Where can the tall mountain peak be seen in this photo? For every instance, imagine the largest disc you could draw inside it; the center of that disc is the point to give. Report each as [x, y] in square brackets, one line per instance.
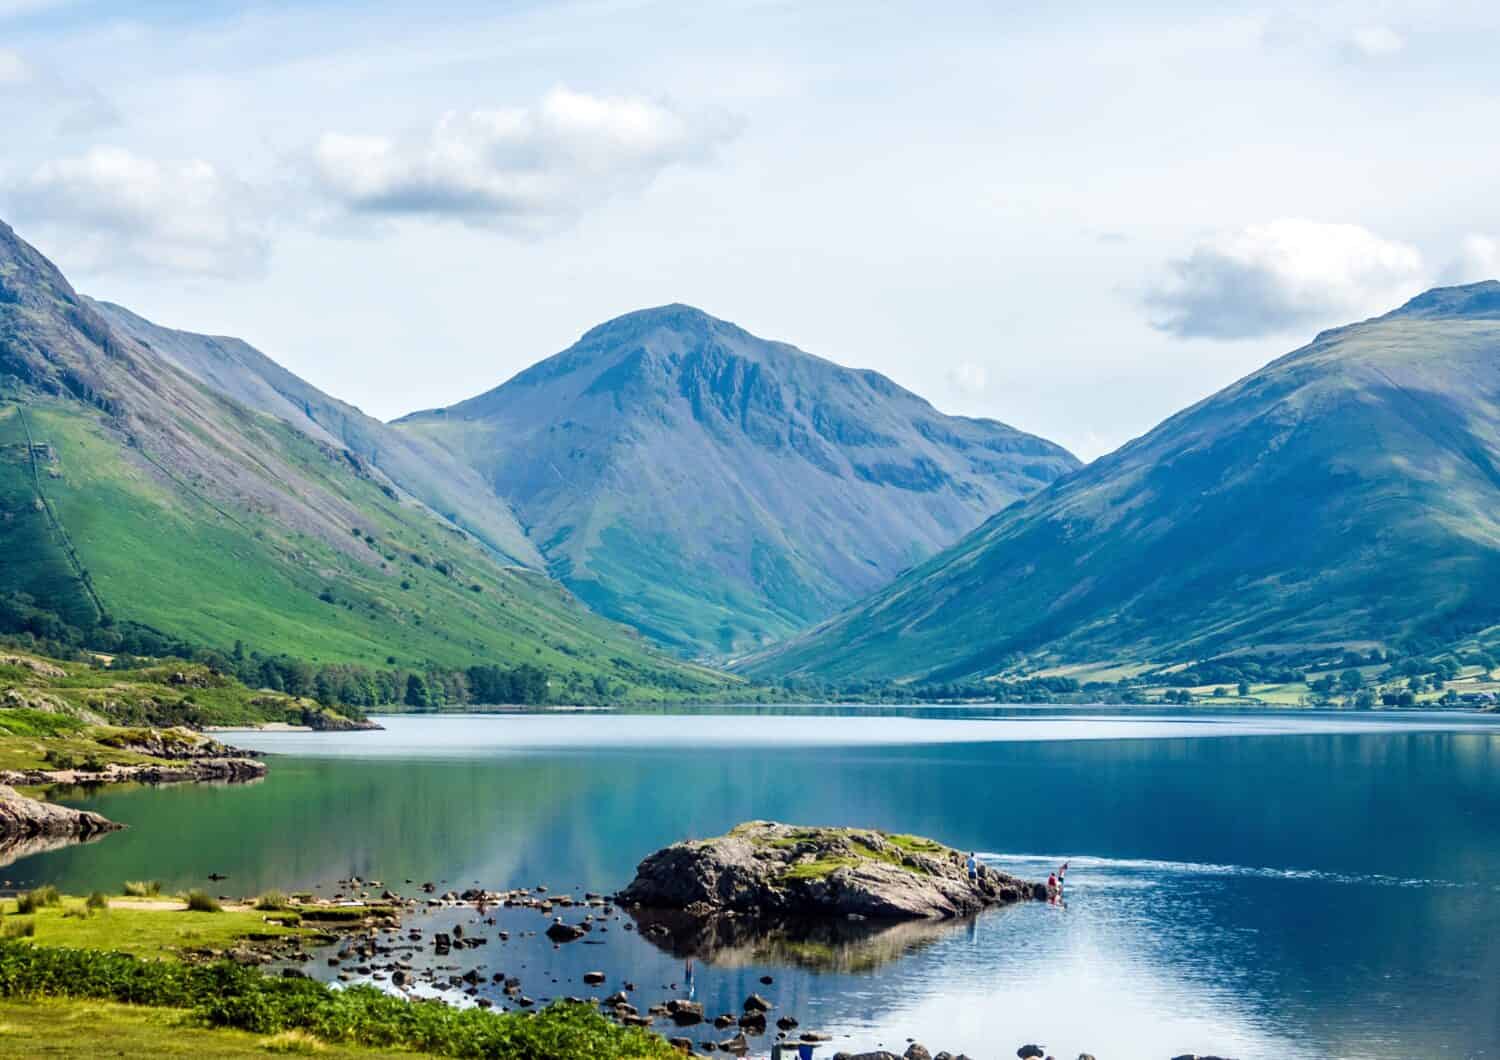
[717, 489]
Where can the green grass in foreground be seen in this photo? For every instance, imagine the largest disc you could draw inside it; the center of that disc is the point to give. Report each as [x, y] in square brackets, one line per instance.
[143, 928]
[45, 1028]
[229, 996]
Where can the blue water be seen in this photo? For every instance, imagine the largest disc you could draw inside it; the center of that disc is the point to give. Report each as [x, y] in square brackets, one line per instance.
[1268, 885]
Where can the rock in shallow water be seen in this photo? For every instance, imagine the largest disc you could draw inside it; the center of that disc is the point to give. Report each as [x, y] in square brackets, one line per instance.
[764, 867]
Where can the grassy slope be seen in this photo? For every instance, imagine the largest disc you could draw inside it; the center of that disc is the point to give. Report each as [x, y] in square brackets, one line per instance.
[57, 713]
[160, 554]
[1347, 493]
[242, 372]
[216, 523]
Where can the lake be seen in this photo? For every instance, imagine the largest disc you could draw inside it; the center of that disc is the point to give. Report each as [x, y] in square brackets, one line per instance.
[1254, 885]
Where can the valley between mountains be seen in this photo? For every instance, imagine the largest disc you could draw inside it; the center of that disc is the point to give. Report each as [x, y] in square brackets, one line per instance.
[674, 507]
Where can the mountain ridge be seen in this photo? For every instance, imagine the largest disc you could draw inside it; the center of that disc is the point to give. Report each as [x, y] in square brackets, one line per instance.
[236, 368]
[716, 489]
[190, 513]
[1344, 492]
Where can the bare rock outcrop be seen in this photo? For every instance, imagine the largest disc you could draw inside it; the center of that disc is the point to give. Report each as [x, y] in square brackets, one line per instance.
[23, 818]
[767, 868]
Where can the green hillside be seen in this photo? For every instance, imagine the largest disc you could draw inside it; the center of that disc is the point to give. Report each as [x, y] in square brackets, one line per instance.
[1347, 494]
[216, 524]
[719, 491]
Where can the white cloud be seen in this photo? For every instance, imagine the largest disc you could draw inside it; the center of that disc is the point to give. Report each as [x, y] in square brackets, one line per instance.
[13, 69]
[1377, 41]
[966, 377]
[110, 209]
[1282, 276]
[1478, 259]
[525, 169]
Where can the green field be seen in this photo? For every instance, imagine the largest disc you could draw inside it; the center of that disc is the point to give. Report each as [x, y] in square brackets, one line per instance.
[164, 552]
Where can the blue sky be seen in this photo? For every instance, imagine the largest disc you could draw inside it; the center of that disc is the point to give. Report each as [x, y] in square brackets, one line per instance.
[1076, 221]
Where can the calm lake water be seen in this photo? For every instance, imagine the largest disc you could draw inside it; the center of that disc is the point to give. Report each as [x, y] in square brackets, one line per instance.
[1268, 885]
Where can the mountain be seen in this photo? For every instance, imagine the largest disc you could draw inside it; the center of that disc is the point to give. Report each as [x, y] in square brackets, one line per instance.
[1348, 493]
[716, 490]
[240, 371]
[133, 492]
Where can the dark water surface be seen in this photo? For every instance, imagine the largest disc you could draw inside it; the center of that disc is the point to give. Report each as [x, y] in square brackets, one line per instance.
[1309, 885]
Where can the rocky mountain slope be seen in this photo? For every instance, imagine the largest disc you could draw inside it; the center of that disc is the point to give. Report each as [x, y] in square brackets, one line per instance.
[240, 371]
[1348, 493]
[132, 491]
[717, 490]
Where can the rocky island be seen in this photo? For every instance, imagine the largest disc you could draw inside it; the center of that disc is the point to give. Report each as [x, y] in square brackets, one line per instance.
[766, 868]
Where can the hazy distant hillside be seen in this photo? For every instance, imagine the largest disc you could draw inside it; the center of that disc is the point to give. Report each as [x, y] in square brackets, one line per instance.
[1348, 492]
[429, 473]
[717, 490]
[130, 491]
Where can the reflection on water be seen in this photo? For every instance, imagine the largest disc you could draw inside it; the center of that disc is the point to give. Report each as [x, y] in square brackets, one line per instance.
[15, 847]
[1299, 885]
[821, 944]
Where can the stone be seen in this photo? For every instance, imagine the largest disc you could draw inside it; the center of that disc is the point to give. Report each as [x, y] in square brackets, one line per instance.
[557, 931]
[756, 1003]
[593, 978]
[917, 1051]
[874, 876]
[1031, 1052]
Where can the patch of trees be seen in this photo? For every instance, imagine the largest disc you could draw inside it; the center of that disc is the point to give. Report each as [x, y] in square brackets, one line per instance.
[32, 627]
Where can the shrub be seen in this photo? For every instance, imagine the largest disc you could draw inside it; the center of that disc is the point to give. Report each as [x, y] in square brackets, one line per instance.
[226, 995]
[29, 902]
[97, 900]
[202, 902]
[142, 888]
[19, 928]
[272, 900]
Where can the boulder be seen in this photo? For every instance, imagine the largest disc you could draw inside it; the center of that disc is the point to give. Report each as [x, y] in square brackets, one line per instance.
[557, 931]
[767, 868]
[26, 818]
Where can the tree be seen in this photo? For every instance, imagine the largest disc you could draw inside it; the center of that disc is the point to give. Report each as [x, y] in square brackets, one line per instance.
[1243, 688]
[416, 692]
[1352, 680]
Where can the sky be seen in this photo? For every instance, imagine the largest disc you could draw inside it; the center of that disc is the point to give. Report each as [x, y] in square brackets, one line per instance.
[1077, 219]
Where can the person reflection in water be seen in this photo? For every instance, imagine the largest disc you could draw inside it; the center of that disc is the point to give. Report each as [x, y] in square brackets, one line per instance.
[687, 976]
